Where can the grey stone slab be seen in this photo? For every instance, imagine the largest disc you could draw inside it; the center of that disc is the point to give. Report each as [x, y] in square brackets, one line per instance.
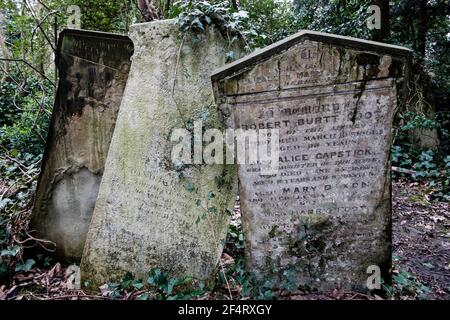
[93, 69]
[325, 216]
[151, 213]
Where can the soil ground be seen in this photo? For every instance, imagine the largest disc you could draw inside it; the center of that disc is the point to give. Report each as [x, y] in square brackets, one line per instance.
[421, 237]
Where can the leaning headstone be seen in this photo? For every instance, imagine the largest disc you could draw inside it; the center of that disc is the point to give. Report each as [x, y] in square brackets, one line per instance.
[152, 212]
[323, 218]
[93, 69]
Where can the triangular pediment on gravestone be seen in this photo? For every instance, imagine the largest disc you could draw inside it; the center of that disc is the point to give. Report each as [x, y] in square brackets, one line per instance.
[305, 35]
[319, 216]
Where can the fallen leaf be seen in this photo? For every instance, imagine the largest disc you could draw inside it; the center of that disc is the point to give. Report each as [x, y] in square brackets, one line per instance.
[338, 293]
[20, 277]
[226, 259]
[55, 270]
[3, 293]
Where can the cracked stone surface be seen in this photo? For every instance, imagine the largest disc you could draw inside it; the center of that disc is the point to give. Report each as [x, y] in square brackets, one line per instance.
[151, 213]
[325, 216]
[93, 72]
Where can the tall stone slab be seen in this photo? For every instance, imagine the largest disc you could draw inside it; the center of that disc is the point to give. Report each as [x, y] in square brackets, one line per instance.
[324, 217]
[151, 212]
[93, 69]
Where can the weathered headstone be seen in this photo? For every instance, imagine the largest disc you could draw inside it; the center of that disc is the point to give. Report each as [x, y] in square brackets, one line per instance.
[93, 68]
[151, 212]
[324, 217]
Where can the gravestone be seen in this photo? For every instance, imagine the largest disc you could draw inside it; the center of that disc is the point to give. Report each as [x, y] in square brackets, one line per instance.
[323, 219]
[93, 69]
[151, 212]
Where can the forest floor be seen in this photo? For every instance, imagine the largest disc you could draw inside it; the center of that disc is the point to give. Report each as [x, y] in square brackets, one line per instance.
[421, 238]
[421, 262]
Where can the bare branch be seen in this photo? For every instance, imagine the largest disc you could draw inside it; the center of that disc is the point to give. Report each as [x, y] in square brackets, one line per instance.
[32, 67]
[38, 26]
[33, 15]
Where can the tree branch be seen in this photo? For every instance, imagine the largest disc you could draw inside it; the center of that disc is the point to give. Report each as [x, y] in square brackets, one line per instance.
[39, 26]
[32, 67]
[33, 15]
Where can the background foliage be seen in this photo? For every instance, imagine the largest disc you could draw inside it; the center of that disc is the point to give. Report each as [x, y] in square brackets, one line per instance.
[28, 36]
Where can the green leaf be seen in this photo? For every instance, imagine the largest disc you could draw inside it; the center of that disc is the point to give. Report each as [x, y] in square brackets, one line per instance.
[156, 277]
[10, 252]
[3, 269]
[230, 56]
[170, 285]
[25, 266]
[4, 203]
[128, 276]
[198, 24]
[137, 284]
[189, 187]
[113, 285]
[143, 296]
[212, 210]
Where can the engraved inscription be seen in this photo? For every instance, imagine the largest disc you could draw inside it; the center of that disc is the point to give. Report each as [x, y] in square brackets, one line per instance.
[321, 152]
[324, 216]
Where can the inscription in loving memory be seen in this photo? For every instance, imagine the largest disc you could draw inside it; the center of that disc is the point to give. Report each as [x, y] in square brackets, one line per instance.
[324, 216]
[330, 153]
[325, 145]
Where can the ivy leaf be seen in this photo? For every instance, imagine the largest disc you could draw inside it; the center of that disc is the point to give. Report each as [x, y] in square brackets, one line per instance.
[212, 210]
[137, 284]
[25, 266]
[3, 269]
[10, 252]
[170, 285]
[128, 277]
[204, 115]
[242, 14]
[198, 23]
[190, 187]
[4, 203]
[230, 56]
[113, 285]
[143, 296]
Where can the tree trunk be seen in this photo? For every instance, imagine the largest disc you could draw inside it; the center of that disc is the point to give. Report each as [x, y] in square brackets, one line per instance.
[4, 47]
[422, 29]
